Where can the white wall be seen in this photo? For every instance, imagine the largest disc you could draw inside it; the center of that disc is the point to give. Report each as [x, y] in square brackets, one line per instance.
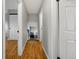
[22, 21]
[24, 26]
[50, 28]
[32, 20]
[40, 22]
[54, 28]
[6, 27]
[11, 4]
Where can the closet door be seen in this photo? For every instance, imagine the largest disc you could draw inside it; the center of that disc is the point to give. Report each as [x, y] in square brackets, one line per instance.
[67, 26]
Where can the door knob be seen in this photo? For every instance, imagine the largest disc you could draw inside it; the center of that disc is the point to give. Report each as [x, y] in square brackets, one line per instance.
[18, 31]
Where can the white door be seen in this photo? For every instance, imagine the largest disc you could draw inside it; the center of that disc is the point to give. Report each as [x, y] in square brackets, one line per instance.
[67, 32]
[13, 27]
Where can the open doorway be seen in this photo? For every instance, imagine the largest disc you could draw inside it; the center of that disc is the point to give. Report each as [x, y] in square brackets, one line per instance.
[22, 31]
[12, 29]
[39, 29]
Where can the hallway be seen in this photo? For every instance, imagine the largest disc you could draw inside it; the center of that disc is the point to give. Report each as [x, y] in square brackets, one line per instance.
[33, 50]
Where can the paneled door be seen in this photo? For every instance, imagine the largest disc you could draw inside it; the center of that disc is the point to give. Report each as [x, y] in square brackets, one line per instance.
[13, 27]
[67, 29]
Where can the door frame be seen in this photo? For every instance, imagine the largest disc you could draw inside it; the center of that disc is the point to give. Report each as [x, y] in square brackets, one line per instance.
[3, 29]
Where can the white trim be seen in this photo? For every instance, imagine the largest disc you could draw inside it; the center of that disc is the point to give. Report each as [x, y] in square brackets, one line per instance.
[3, 30]
[44, 50]
[24, 47]
[20, 29]
[19, 48]
[12, 39]
[21, 52]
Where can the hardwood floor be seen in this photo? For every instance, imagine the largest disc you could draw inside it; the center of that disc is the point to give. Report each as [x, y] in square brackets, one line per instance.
[33, 50]
[11, 49]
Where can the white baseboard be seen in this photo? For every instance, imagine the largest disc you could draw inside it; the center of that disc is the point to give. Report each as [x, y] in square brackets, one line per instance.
[11, 39]
[21, 49]
[45, 51]
[24, 47]
[21, 52]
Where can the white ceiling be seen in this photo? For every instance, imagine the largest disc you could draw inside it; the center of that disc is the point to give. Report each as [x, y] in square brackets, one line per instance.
[33, 6]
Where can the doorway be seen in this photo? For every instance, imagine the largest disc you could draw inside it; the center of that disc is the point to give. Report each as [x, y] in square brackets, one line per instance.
[13, 29]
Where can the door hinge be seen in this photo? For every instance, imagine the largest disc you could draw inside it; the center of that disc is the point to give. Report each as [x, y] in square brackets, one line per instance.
[57, 0]
[58, 57]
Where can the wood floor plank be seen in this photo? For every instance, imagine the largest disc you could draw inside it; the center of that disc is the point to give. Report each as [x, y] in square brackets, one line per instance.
[33, 50]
